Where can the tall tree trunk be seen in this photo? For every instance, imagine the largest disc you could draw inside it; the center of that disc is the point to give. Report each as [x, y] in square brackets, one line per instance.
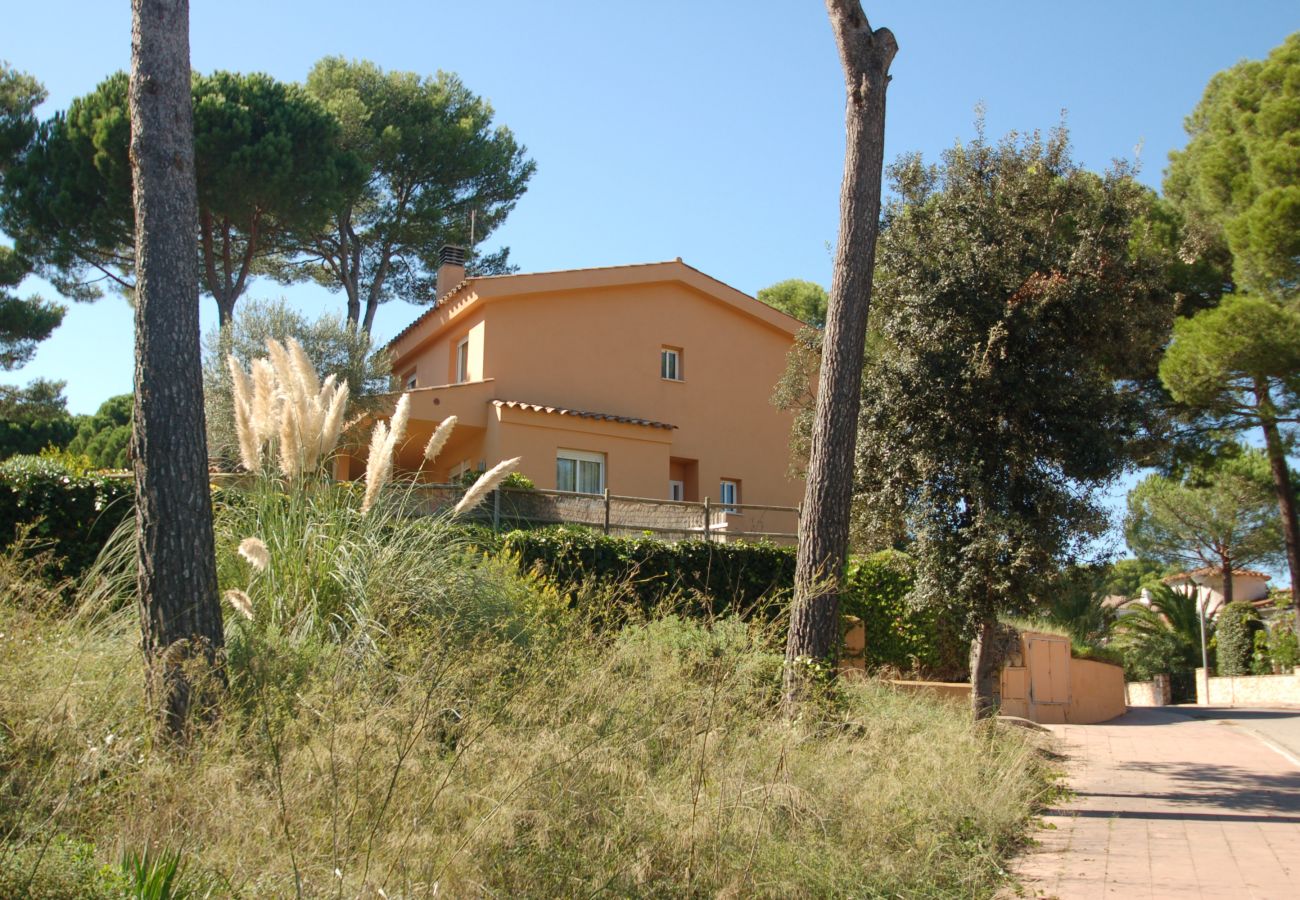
[1225, 572]
[984, 668]
[180, 615]
[824, 530]
[1286, 506]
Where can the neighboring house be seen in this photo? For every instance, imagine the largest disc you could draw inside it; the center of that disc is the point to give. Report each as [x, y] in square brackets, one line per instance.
[650, 380]
[1207, 586]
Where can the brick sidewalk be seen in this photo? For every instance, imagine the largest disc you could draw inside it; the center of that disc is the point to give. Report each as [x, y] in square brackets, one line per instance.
[1165, 806]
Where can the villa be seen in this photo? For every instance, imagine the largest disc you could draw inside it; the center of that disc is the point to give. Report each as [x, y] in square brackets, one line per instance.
[649, 380]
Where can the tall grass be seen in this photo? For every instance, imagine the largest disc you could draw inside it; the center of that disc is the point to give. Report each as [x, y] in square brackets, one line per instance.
[408, 717]
[651, 759]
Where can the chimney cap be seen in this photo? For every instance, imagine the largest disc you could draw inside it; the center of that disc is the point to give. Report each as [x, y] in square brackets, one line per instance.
[450, 253]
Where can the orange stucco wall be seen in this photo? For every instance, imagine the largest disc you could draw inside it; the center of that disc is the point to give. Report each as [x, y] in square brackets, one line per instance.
[1096, 692]
[591, 340]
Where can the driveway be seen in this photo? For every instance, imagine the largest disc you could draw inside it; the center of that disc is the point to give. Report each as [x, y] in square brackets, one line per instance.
[1165, 804]
[1280, 727]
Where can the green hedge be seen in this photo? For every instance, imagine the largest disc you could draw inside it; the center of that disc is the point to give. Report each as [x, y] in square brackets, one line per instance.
[72, 511]
[711, 577]
[756, 580]
[1234, 638]
[933, 642]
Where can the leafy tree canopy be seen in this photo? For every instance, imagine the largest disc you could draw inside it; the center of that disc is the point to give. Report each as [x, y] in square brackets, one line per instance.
[1240, 171]
[33, 418]
[805, 300]
[24, 322]
[436, 171]
[1222, 517]
[105, 437]
[1015, 306]
[1236, 362]
[267, 159]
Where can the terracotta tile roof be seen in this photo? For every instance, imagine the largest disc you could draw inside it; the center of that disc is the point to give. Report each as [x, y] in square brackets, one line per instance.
[467, 282]
[1200, 573]
[561, 411]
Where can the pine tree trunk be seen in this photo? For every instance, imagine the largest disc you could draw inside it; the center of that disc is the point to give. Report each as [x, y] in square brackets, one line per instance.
[180, 615]
[984, 669]
[1286, 506]
[824, 530]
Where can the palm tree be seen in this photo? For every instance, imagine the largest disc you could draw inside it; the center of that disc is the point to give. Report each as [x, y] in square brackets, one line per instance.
[1162, 636]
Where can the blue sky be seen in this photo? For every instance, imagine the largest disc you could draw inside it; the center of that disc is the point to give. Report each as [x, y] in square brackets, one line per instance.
[707, 130]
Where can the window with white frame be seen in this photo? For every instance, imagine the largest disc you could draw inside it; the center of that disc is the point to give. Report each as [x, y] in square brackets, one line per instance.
[676, 490]
[410, 381]
[580, 471]
[729, 494]
[670, 364]
[462, 361]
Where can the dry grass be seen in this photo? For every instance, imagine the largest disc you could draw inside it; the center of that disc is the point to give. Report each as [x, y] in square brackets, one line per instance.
[554, 761]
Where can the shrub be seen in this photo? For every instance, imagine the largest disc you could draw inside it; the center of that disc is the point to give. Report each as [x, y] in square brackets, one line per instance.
[105, 437]
[711, 577]
[927, 641]
[69, 510]
[1234, 638]
[1283, 643]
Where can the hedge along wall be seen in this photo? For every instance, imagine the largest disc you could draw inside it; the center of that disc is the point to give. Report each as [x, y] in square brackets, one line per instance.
[72, 512]
[750, 579]
[933, 642]
[754, 580]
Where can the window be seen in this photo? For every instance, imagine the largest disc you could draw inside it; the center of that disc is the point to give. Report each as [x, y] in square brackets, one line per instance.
[676, 490]
[462, 361]
[409, 380]
[729, 494]
[670, 364]
[577, 470]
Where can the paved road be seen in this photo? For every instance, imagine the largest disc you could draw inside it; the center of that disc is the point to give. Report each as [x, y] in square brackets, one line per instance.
[1280, 726]
[1169, 805]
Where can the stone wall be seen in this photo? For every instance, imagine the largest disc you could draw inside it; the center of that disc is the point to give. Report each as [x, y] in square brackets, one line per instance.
[1248, 690]
[1156, 692]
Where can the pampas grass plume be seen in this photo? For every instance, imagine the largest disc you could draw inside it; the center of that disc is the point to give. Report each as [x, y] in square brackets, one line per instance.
[254, 550]
[486, 484]
[438, 439]
[240, 602]
[378, 465]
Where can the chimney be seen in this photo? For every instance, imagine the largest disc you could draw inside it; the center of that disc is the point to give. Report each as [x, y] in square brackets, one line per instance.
[451, 270]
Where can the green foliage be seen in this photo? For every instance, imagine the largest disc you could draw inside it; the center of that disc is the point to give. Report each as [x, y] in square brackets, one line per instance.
[33, 418]
[1224, 517]
[930, 641]
[154, 874]
[60, 868]
[709, 577]
[1283, 642]
[1127, 577]
[430, 156]
[69, 510]
[1075, 600]
[805, 300]
[266, 160]
[105, 438]
[24, 322]
[796, 392]
[1162, 638]
[1240, 172]
[1016, 313]
[334, 347]
[1237, 363]
[1234, 638]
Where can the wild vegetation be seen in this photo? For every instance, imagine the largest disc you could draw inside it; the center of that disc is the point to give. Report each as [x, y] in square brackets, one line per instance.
[409, 716]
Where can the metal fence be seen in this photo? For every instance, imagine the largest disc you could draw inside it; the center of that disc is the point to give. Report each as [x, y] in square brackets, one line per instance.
[623, 516]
